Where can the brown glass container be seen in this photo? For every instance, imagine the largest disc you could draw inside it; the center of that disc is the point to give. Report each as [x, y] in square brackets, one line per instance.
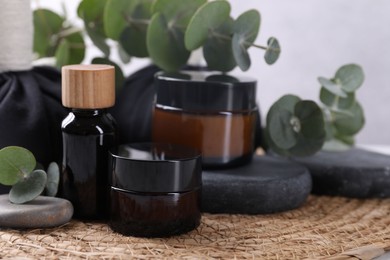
[215, 114]
[88, 132]
[156, 190]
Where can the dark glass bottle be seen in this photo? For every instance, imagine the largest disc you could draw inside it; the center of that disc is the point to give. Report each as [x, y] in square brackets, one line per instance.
[88, 133]
[87, 137]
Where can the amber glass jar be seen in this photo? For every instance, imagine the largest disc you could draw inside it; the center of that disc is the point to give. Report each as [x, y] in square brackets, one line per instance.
[213, 113]
[156, 189]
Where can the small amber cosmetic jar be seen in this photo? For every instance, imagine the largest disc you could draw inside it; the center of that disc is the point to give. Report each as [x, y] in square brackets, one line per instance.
[213, 113]
[155, 189]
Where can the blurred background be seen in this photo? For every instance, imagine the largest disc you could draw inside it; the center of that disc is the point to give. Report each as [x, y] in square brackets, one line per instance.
[317, 37]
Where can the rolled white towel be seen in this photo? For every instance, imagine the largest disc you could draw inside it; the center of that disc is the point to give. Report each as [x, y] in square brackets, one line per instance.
[16, 28]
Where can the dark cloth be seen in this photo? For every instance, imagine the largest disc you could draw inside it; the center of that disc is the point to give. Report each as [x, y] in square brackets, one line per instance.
[31, 112]
[134, 106]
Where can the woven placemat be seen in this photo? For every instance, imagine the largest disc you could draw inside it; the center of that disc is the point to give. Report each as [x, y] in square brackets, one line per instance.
[324, 227]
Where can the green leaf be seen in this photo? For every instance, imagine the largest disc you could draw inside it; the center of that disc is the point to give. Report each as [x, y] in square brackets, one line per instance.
[46, 25]
[165, 35]
[133, 37]
[312, 135]
[335, 145]
[53, 179]
[302, 122]
[272, 53]
[331, 100]
[92, 11]
[245, 29]
[28, 188]
[119, 77]
[15, 163]
[125, 58]
[98, 39]
[116, 13]
[351, 77]
[311, 118]
[76, 48]
[217, 51]
[177, 12]
[133, 41]
[332, 87]
[207, 18]
[166, 45]
[280, 130]
[351, 123]
[62, 54]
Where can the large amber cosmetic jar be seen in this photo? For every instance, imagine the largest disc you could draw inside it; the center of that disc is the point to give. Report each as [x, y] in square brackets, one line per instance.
[155, 189]
[213, 113]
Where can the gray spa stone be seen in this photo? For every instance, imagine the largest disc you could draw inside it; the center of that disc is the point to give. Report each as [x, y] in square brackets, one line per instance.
[355, 173]
[42, 212]
[267, 185]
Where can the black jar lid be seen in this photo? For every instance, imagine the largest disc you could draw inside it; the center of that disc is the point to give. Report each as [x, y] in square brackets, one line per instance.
[153, 167]
[205, 91]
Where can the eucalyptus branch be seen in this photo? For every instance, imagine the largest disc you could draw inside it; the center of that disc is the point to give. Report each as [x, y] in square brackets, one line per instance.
[69, 31]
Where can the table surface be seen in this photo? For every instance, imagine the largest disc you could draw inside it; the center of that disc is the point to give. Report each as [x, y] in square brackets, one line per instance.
[323, 227]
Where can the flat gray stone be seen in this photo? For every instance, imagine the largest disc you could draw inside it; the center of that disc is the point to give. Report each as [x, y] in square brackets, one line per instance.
[355, 173]
[266, 185]
[42, 212]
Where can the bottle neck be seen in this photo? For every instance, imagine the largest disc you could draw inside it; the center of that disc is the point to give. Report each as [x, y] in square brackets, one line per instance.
[88, 112]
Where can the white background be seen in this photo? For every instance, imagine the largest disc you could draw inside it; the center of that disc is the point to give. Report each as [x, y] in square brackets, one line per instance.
[317, 37]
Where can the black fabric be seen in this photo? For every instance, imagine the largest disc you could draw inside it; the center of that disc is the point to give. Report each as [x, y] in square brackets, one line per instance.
[31, 112]
[134, 107]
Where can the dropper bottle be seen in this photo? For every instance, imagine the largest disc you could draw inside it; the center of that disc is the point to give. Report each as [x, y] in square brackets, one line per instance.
[88, 133]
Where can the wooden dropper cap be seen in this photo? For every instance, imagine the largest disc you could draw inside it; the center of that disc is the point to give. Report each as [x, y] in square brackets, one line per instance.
[88, 86]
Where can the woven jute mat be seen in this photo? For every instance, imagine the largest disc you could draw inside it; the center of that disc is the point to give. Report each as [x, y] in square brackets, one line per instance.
[324, 227]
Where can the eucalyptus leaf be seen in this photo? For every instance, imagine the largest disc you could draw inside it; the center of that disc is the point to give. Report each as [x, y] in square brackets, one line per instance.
[311, 119]
[92, 11]
[332, 87]
[47, 24]
[272, 52]
[351, 77]
[76, 48]
[217, 51]
[98, 39]
[280, 130]
[304, 122]
[133, 37]
[62, 54]
[115, 16]
[241, 55]
[166, 44]
[133, 41]
[119, 77]
[335, 145]
[332, 100]
[178, 13]
[53, 179]
[349, 124]
[125, 58]
[245, 31]
[312, 134]
[15, 163]
[28, 188]
[346, 139]
[207, 18]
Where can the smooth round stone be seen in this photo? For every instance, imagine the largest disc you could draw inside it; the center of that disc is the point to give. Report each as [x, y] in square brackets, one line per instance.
[355, 173]
[266, 185]
[42, 212]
